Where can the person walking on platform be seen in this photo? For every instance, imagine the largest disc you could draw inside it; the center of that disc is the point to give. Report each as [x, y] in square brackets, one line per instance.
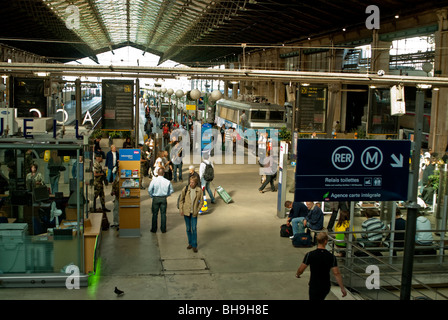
[176, 160]
[190, 203]
[159, 189]
[228, 139]
[99, 177]
[321, 262]
[192, 172]
[270, 170]
[206, 173]
[116, 194]
[148, 127]
[112, 158]
[262, 144]
[157, 117]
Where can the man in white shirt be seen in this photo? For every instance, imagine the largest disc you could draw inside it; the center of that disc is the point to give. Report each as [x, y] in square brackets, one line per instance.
[159, 189]
[262, 142]
[111, 163]
[202, 174]
[228, 139]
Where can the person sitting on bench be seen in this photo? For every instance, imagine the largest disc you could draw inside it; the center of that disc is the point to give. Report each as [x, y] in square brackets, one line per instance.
[314, 220]
[372, 229]
[423, 235]
[298, 210]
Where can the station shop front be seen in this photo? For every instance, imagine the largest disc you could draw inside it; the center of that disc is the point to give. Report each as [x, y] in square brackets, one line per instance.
[47, 233]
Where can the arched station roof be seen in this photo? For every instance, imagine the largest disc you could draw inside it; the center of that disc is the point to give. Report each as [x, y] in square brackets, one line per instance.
[191, 32]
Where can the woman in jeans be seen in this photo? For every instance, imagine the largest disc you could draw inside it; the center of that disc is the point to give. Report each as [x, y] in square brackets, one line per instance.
[190, 203]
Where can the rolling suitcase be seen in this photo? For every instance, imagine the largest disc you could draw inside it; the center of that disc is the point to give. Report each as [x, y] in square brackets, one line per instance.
[223, 194]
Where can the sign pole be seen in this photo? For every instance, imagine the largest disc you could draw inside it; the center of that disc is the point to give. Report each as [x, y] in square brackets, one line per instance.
[282, 179]
[137, 113]
[413, 208]
[78, 102]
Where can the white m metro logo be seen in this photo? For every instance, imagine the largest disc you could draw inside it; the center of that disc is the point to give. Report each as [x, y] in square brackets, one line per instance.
[372, 158]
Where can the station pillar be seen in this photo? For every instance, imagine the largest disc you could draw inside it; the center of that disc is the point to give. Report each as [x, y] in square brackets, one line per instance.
[438, 138]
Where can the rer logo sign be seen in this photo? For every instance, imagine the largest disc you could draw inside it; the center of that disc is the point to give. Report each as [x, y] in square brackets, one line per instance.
[352, 170]
[342, 158]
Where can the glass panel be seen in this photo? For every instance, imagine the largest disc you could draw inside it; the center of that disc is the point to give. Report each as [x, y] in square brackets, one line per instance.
[230, 115]
[257, 115]
[39, 209]
[410, 54]
[223, 112]
[380, 119]
[277, 116]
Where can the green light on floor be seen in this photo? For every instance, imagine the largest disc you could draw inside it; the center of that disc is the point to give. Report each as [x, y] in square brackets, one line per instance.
[94, 279]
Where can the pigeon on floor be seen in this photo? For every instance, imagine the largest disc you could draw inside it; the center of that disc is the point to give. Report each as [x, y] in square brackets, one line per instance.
[118, 292]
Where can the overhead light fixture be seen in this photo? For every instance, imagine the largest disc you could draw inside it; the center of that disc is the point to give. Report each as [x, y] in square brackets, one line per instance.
[424, 86]
[42, 74]
[427, 67]
[397, 16]
[305, 84]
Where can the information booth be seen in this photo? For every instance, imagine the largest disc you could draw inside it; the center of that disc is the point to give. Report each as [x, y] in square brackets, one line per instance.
[46, 232]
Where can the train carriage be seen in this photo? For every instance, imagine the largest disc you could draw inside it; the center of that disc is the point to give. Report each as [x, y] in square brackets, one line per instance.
[259, 115]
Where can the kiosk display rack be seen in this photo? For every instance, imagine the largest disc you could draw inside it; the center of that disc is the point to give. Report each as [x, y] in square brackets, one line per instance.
[129, 199]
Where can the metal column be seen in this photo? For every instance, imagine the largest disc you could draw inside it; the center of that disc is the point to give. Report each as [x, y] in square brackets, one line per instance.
[78, 101]
[413, 208]
[137, 112]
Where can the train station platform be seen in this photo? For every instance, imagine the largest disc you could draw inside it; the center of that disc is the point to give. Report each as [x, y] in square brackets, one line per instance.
[241, 255]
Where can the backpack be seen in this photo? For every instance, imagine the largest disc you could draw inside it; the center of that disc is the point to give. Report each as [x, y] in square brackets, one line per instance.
[209, 173]
[285, 231]
[302, 239]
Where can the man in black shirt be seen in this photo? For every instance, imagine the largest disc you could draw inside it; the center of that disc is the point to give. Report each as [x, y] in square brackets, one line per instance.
[321, 261]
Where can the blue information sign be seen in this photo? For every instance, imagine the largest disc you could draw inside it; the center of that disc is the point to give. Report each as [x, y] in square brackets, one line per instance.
[129, 154]
[206, 136]
[352, 170]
